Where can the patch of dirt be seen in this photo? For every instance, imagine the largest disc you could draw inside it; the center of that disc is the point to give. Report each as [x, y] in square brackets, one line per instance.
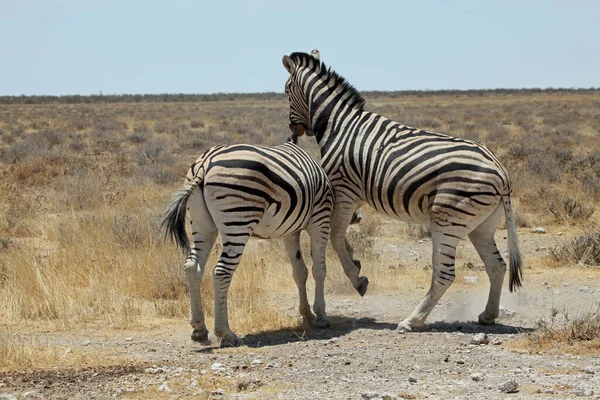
[360, 356]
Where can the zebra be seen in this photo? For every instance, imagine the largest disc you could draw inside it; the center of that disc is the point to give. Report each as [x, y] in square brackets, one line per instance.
[244, 190]
[456, 186]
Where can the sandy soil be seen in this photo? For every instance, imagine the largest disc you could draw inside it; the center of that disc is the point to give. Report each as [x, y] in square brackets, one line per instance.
[360, 356]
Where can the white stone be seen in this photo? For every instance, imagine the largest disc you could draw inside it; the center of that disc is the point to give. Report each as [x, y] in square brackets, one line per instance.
[538, 229]
[497, 341]
[217, 367]
[477, 376]
[165, 388]
[471, 279]
[480, 338]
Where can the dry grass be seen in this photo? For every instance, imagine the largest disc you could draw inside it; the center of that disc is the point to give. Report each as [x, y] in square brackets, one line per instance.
[584, 250]
[83, 186]
[562, 333]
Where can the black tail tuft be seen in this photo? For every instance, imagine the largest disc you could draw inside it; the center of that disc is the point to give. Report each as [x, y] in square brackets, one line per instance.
[173, 221]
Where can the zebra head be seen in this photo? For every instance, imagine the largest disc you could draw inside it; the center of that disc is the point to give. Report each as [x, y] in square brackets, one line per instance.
[300, 122]
[312, 89]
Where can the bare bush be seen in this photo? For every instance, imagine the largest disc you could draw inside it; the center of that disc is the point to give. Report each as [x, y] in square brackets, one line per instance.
[570, 209]
[584, 250]
[561, 329]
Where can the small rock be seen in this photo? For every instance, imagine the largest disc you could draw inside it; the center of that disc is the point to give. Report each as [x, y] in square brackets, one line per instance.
[272, 365]
[217, 367]
[589, 370]
[218, 392]
[477, 376]
[471, 279]
[129, 339]
[510, 386]
[412, 379]
[538, 229]
[31, 393]
[369, 395]
[7, 396]
[86, 343]
[585, 289]
[67, 351]
[583, 391]
[256, 362]
[549, 391]
[165, 388]
[387, 396]
[565, 284]
[480, 338]
[559, 234]
[497, 341]
[544, 283]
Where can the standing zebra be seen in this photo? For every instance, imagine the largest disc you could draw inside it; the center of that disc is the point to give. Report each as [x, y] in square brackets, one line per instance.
[456, 186]
[242, 191]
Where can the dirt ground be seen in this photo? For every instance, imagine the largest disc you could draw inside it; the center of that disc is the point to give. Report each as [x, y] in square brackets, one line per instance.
[360, 356]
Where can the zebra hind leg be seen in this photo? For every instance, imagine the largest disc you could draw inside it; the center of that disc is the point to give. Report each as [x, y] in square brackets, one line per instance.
[444, 251]
[292, 248]
[233, 247]
[204, 235]
[483, 240]
[318, 248]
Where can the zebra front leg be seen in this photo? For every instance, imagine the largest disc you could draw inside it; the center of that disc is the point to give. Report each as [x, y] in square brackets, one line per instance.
[342, 215]
[292, 248]
[444, 251]
[318, 249]
[233, 247]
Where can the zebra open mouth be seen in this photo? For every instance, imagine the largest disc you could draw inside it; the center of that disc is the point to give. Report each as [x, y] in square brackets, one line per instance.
[297, 131]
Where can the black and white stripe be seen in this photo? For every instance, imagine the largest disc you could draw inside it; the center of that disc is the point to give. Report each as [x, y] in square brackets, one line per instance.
[242, 191]
[457, 186]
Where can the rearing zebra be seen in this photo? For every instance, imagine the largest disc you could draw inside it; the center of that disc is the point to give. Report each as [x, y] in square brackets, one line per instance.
[242, 191]
[456, 186]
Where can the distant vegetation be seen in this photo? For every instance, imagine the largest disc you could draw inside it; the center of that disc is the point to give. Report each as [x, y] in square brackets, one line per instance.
[181, 97]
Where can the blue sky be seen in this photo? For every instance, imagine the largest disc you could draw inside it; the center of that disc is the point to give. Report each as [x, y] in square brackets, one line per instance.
[61, 47]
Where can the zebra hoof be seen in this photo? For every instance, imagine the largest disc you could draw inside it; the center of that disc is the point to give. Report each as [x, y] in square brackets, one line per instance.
[200, 336]
[363, 284]
[484, 319]
[321, 323]
[230, 341]
[404, 327]
[357, 264]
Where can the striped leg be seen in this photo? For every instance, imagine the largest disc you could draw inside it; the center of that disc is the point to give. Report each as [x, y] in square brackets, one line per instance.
[444, 251]
[342, 215]
[483, 240]
[233, 247]
[204, 233]
[318, 247]
[292, 248]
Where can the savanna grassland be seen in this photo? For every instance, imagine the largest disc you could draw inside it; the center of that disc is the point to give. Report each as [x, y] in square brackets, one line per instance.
[83, 187]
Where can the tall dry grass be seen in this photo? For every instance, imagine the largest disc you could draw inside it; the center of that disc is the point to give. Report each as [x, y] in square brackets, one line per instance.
[83, 185]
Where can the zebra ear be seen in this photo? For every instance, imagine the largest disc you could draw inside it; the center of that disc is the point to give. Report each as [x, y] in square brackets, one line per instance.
[315, 53]
[288, 63]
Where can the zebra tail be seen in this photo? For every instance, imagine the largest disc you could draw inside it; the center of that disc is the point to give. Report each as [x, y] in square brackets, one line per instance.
[515, 274]
[173, 221]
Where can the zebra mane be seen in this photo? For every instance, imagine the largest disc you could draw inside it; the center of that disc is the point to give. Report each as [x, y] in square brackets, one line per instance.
[355, 99]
